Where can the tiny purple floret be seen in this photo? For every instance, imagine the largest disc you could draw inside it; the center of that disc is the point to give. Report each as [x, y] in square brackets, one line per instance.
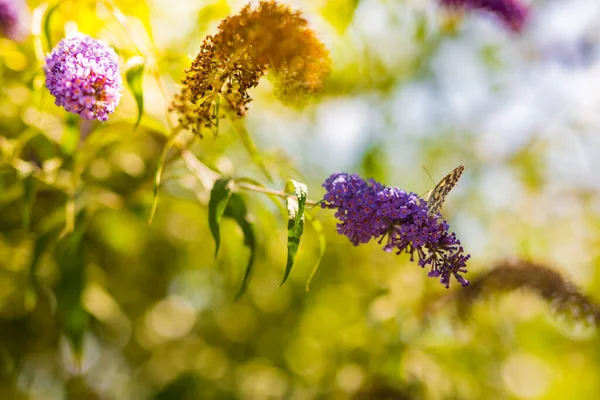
[367, 210]
[82, 73]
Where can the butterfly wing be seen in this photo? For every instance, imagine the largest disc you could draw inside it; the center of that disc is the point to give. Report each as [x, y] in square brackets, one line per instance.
[436, 197]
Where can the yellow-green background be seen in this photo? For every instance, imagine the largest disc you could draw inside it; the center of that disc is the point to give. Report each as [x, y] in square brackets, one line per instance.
[410, 86]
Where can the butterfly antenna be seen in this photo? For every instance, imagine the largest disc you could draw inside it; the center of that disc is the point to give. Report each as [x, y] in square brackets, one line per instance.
[429, 175]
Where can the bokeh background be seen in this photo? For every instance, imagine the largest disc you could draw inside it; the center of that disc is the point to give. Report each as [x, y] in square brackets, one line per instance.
[412, 85]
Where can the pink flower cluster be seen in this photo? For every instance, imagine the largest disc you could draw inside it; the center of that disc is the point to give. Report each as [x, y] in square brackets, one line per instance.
[82, 74]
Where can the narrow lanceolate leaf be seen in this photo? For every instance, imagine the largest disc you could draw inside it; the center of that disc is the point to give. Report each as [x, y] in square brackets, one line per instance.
[135, 76]
[340, 13]
[37, 30]
[69, 256]
[236, 209]
[47, 24]
[29, 190]
[322, 245]
[219, 198]
[295, 207]
[158, 176]
[41, 244]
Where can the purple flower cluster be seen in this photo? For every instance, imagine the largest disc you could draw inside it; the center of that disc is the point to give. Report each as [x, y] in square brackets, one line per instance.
[512, 12]
[14, 18]
[82, 73]
[367, 210]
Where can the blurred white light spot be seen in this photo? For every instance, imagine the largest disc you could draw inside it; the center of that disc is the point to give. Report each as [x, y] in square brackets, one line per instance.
[180, 228]
[130, 163]
[212, 362]
[527, 376]
[383, 308]
[340, 125]
[418, 366]
[171, 318]
[100, 168]
[500, 189]
[349, 378]
[18, 94]
[259, 381]
[373, 19]
[77, 364]
[201, 288]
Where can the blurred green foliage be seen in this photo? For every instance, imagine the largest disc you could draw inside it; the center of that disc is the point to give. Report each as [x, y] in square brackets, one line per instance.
[95, 303]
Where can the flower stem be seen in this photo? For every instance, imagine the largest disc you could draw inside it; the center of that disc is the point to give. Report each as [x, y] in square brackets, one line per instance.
[265, 190]
[207, 177]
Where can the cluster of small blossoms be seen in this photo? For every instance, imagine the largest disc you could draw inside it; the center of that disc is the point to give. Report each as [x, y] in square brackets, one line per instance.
[512, 12]
[367, 210]
[270, 37]
[82, 74]
[14, 17]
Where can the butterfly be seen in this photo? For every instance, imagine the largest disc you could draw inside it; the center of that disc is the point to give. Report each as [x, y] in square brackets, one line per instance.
[436, 196]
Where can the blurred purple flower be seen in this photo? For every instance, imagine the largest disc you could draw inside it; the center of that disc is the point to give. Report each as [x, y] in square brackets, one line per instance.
[14, 19]
[368, 210]
[512, 12]
[82, 73]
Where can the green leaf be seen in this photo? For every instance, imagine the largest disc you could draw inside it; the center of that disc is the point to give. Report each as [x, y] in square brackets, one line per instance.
[142, 16]
[159, 170]
[46, 24]
[340, 13]
[41, 243]
[219, 198]
[69, 256]
[295, 206]
[236, 209]
[29, 190]
[316, 225]
[135, 77]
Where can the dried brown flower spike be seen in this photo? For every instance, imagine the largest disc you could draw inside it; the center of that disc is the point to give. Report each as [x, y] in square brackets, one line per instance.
[270, 37]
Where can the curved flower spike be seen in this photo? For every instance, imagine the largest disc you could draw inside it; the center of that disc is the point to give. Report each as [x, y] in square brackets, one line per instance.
[270, 37]
[367, 210]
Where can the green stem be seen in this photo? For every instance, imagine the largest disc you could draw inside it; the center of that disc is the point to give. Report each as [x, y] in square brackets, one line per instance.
[278, 193]
[159, 170]
[207, 177]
